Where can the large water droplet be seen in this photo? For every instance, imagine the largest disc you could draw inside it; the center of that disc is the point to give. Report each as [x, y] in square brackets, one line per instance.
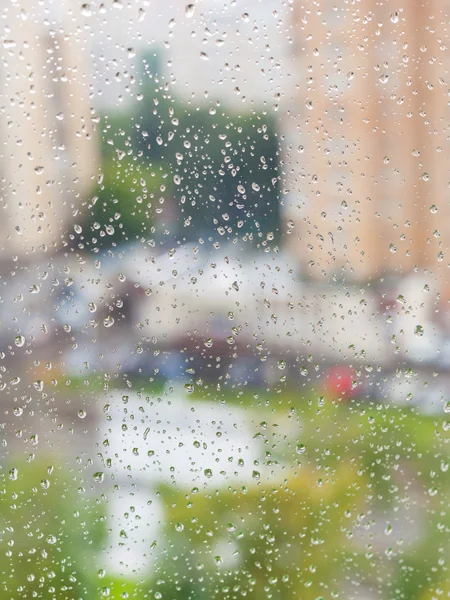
[418, 330]
[19, 340]
[108, 321]
[189, 10]
[86, 10]
[394, 17]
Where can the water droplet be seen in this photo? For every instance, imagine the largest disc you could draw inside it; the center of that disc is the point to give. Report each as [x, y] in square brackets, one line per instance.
[189, 10]
[19, 340]
[394, 17]
[108, 321]
[99, 476]
[86, 10]
[418, 330]
[179, 526]
[300, 448]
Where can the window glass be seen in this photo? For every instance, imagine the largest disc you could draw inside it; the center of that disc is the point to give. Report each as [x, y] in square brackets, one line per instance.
[224, 300]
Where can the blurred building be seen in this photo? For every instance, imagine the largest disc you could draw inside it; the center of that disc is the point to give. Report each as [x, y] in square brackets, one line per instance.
[48, 150]
[366, 137]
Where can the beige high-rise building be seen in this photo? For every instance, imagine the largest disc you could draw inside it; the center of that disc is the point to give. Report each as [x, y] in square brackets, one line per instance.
[48, 149]
[367, 137]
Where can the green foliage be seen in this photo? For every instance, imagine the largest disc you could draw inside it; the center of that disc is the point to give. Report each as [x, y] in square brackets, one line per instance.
[121, 588]
[303, 536]
[225, 166]
[297, 532]
[422, 573]
[125, 203]
[50, 535]
[284, 538]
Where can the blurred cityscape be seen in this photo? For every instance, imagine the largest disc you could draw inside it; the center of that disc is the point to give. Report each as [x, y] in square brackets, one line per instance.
[224, 301]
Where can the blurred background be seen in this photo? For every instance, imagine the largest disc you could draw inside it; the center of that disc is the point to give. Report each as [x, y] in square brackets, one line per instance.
[224, 299]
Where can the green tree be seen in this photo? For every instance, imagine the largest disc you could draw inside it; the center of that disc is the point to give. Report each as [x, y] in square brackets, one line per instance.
[50, 535]
[125, 203]
[224, 166]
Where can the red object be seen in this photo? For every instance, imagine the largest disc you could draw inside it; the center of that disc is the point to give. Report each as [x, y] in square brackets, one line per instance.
[339, 381]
